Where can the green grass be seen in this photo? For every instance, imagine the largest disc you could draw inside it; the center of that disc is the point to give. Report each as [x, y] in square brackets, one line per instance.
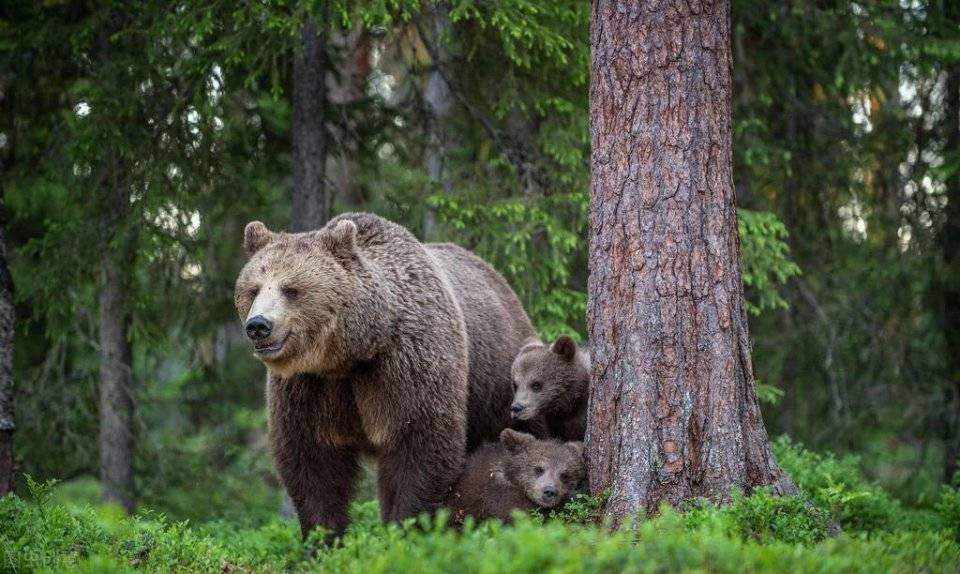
[48, 530]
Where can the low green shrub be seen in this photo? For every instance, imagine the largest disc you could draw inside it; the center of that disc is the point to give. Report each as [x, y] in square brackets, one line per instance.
[756, 534]
[50, 531]
[948, 510]
[838, 486]
[762, 517]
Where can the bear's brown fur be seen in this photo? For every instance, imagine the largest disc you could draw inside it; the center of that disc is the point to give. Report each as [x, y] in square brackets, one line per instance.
[550, 389]
[518, 473]
[376, 344]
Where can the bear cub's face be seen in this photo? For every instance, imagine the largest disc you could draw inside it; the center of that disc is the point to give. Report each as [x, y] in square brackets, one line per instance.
[547, 471]
[291, 293]
[548, 379]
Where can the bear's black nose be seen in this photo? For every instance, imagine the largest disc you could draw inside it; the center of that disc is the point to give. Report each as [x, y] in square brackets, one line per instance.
[259, 328]
[516, 408]
[549, 492]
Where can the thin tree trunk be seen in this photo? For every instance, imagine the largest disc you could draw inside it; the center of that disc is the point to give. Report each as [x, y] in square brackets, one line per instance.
[673, 410]
[346, 87]
[116, 399]
[311, 204]
[947, 281]
[521, 133]
[438, 101]
[7, 321]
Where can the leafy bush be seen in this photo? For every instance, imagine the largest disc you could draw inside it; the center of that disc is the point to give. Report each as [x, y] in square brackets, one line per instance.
[581, 509]
[838, 486]
[763, 517]
[948, 510]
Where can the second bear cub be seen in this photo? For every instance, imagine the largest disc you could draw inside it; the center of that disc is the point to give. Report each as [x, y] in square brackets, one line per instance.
[550, 389]
[518, 473]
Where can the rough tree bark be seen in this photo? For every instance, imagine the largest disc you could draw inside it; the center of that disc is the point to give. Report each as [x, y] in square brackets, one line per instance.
[438, 101]
[311, 202]
[116, 398]
[7, 321]
[673, 411]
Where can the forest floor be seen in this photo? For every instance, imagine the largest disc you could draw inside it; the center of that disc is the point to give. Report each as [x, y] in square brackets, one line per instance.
[760, 533]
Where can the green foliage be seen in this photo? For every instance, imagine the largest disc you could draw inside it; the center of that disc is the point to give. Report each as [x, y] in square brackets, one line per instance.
[768, 393]
[532, 244]
[763, 517]
[837, 485]
[749, 536]
[757, 533]
[581, 509]
[766, 262]
[948, 509]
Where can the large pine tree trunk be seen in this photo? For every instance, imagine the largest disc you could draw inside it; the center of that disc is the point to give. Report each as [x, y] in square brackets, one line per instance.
[7, 319]
[116, 398]
[673, 409]
[311, 205]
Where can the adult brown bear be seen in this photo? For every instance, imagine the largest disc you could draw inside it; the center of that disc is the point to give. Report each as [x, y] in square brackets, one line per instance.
[378, 345]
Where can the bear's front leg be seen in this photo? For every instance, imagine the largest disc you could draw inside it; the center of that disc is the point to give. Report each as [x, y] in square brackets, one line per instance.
[320, 482]
[319, 476]
[417, 471]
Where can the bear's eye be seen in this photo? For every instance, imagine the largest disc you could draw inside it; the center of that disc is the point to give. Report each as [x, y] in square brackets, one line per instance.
[254, 292]
[535, 387]
[515, 386]
[564, 476]
[290, 292]
[538, 470]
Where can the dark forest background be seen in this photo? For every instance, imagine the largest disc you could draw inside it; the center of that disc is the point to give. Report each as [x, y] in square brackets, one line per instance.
[137, 139]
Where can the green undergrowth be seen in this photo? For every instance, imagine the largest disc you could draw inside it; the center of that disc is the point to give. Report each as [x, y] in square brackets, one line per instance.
[840, 523]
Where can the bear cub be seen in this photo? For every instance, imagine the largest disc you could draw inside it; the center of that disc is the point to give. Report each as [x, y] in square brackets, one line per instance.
[518, 473]
[550, 389]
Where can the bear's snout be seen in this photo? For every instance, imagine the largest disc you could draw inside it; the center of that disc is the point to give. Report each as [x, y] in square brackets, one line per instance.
[516, 409]
[259, 328]
[549, 492]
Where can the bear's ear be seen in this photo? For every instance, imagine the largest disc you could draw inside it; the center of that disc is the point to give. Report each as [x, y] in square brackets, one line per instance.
[255, 237]
[513, 440]
[342, 239]
[576, 448]
[565, 347]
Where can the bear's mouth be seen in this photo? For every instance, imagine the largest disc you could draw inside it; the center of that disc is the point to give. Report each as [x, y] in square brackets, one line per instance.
[268, 350]
[524, 415]
[543, 502]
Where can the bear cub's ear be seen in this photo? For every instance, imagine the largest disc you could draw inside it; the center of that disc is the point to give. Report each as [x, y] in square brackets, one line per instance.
[514, 441]
[255, 237]
[342, 239]
[565, 347]
[577, 448]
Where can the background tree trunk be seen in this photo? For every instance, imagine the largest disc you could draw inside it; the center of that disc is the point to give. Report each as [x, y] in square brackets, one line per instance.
[311, 203]
[437, 101]
[116, 398]
[673, 409]
[346, 86]
[946, 282]
[7, 321]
